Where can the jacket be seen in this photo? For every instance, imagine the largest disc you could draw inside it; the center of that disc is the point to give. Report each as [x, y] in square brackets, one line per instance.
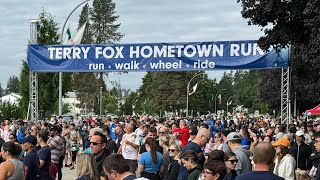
[173, 171]
[285, 168]
[100, 159]
[301, 154]
[244, 164]
[194, 173]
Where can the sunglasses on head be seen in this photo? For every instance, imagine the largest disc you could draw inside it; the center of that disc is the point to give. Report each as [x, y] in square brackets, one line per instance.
[95, 143]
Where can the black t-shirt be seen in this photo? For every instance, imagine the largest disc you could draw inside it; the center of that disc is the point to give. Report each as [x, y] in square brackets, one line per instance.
[45, 155]
[261, 175]
[32, 162]
[158, 148]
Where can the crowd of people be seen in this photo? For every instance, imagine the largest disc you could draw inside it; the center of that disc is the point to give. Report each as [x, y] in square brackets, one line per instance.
[160, 148]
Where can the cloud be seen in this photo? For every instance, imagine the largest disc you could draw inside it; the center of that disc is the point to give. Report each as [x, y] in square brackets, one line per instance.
[141, 21]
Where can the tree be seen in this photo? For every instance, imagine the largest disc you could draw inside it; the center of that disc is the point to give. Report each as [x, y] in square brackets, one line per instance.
[12, 85]
[48, 83]
[296, 23]
[1, 91]
[10, 111]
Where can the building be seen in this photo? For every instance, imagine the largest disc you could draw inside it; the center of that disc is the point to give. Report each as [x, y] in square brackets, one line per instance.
[11, 98]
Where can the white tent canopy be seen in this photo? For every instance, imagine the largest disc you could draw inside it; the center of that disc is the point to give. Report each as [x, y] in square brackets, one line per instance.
[12, 98]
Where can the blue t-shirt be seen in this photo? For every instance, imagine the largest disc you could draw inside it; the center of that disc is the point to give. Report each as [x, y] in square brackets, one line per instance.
[112, 129]
[149, 165]
[45, 155]
[261, 175]
[245, 141]
[32, 162]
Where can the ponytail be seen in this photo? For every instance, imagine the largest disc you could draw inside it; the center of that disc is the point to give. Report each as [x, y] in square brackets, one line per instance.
[153, 151]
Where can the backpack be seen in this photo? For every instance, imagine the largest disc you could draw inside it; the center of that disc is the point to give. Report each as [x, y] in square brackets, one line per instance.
[53, 170]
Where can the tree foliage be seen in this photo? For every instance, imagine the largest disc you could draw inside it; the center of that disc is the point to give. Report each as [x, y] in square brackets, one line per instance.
[12, 85]
[294, 23]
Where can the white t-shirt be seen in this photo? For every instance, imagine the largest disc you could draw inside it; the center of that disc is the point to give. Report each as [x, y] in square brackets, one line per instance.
[128, 152]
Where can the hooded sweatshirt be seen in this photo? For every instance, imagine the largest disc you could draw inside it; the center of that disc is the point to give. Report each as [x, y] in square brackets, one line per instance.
[244, 163]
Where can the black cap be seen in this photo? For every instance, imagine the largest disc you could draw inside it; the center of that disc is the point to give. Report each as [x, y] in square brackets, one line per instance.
[54, 128]
[30, 139]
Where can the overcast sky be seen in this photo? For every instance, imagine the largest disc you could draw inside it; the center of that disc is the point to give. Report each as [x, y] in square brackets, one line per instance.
[142, 21]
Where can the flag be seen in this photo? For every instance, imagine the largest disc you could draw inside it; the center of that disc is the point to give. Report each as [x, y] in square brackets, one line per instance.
[193, 89]
[229, 103]
[69, 33]
[77, 37]
[220, 100]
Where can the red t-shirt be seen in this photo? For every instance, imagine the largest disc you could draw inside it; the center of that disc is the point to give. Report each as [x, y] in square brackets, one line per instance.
[185, 136]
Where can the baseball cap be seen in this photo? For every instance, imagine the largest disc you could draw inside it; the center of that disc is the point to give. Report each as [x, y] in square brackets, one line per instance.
[54, 128]
[30, 139]
[233, 136]
[299, 133]
[176, 130]
[283, 142]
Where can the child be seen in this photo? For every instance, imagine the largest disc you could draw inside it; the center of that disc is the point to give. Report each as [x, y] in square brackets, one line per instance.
[74, 151]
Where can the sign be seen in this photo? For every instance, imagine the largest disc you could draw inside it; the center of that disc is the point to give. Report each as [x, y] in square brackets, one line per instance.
[190, 56]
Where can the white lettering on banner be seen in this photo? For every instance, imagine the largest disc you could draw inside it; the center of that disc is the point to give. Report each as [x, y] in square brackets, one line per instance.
[149, 51]
[68, 52]
[166, 65]
[133, 65]
[99, 66]
[134, 51]
[109, 52]
[204, 65]
[245, 49]
[159, 52]
[190, 54]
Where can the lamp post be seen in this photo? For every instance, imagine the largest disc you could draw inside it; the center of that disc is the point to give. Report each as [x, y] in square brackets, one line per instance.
[188, 92]
[60, 73]
[101, 101]
[228, 104]
[215, 100]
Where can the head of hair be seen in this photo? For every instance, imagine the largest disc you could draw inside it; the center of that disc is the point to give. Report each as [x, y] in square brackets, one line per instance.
[102, 136]
[217, 155]
[86, 165]
[316, 135]
[228, 155]
[264, 153]
[281, 128]
[11, 148]
[44, 135]
[117, 163]
[93, 130]
[152, 129]
[204, 125]
[177, 145]
[13, 135]
[165, 139]
[225, 132]
[189, 154]
[150, 142]
[216, 167]
[245, 132]
[284, 150]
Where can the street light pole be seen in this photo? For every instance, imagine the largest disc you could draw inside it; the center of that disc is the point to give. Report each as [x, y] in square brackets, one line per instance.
[188, 92]
[61, 42]
[215, 100]
[101, 101]
[228, 103]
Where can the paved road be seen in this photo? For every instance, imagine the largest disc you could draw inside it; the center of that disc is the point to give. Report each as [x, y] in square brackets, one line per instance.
[68, 174]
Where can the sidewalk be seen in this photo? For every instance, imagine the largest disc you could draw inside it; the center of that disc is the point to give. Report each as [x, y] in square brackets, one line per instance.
[68, 174]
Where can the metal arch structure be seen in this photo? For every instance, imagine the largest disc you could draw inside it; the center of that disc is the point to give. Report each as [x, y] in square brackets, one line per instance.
[33, 77]
[285, 96]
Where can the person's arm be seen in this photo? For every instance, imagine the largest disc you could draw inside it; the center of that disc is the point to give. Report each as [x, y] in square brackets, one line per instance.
[41, 163]
[161, 170]
[120, 149]
[140, 168]
[136, 146]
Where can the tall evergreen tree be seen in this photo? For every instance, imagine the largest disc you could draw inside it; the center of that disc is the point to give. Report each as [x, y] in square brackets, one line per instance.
[1, 91]
[12, 85]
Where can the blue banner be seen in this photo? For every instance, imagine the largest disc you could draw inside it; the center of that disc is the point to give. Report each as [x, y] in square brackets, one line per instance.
[195, 56]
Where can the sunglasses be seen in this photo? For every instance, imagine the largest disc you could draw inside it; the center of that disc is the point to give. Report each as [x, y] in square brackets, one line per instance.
[233, 161]
[172, 150]
[161, 132]
[94, 143]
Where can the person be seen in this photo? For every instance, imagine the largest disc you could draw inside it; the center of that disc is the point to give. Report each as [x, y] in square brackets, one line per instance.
[111, 145]
[117, 168]
[196, 145]
[55, 144]
[193, 130]
[151, 132]
[119, 134]
[164, 143]
[13, 138]
[213, 170]
[34, 130]
[284, 162]
[224, 134]
[190, 161]
[31, 160]
[184, 137]
[98, 144]
[86, 168]
[44, 155]
[301, 152]
[245, 136]
[217, 155]
[234, 142]
[174, 166]
[230, 160]
[129, 147]
[12, 168]
[151, 162]
[218, 141]
[163, 131]
[316, 137]
[74, 151]
[263, 158]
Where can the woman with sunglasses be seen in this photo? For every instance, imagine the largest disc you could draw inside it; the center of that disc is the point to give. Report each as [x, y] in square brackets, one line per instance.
[218, 141]
[190, 162]
[13, 138]
[174, 166]
[230, 162]
[151, 162]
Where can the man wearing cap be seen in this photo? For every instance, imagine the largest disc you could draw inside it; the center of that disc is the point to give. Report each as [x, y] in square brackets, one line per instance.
[56, 146]
[301, 152]
[234, 143]
[31, 161]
